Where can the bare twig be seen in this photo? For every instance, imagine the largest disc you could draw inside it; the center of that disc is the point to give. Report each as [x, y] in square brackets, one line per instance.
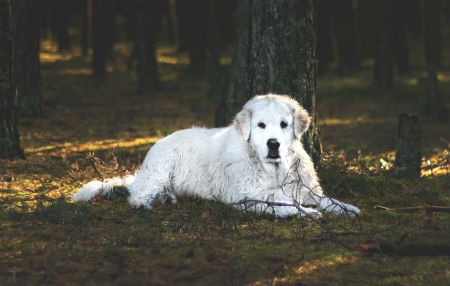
[415, 209]
[250, 202]
[91, 158]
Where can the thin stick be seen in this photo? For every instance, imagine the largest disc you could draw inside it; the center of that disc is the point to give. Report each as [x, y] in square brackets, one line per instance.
[91, 158]
[415, 209]
[312, 217]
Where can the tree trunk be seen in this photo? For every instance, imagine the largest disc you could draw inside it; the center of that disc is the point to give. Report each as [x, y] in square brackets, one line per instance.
[432, 34]
[276, 53]
[26, 57]
[147, 69]
[400, 37]
[366, 27]
[183, 22]
[102, 41]
[197, 35]
[384, 68]
[86, 29]
[344, 25]
[324, 46]
[60, 22]
[9, 135]
[409, 153]
[431, 103]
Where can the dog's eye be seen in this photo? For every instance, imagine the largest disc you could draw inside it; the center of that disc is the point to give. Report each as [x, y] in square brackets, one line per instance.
[261, 125]
[283, 124]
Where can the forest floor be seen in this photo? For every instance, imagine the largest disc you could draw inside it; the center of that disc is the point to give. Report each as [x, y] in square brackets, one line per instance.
[47, 239]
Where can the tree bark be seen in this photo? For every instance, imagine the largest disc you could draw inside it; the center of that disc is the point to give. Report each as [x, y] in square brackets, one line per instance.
[9, 135]
[197, 35]
[324, 43]
[409, 150]
[147, 69]
[26, 57]
[276, 53]
[384, 68]
[431, 102]
[60, 23]
[86, 29]
[400, 37]
[432, 34]
[102, 37]
[344, 25]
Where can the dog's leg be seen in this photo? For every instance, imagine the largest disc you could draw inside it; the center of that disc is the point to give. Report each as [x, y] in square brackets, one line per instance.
[152, 184]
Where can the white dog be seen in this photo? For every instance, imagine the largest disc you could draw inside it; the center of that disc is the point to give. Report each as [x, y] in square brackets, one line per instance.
[257, 163]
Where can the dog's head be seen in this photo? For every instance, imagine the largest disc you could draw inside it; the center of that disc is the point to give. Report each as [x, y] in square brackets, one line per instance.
[271, 123]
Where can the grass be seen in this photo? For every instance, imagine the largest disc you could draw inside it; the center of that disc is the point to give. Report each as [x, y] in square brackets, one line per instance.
[46, 239]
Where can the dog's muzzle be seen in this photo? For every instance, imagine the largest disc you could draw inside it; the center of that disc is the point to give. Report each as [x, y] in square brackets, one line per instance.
[273, 145]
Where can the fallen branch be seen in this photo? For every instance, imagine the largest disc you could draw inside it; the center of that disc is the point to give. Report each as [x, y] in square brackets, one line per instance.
[427, 209]
[249, 202]
[371, 248]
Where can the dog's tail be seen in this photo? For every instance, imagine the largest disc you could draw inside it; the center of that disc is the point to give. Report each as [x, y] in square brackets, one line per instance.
[108, 187]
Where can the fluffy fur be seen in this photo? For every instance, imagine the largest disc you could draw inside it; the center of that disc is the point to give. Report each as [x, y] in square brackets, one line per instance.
[258, 157]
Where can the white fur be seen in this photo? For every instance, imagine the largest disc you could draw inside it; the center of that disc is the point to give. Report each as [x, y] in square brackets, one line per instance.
[232, 164]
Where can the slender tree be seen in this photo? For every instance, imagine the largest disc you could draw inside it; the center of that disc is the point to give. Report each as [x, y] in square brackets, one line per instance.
[102, 34]
[343, 20]
[9, 135]
[26, 56]
[60, 23]
[384, 58]
[276, 52]
[431, 102]
[146, 22]
[400, 37]
[324, 46]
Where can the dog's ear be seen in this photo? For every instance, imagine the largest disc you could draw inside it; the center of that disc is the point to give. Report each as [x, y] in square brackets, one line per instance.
[242, 122]
[301, 120]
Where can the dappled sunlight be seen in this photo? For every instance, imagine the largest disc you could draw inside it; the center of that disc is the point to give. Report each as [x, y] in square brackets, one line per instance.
[357, 120]
[92, 146]
[298, 272]
[322, 264]
[49, 53]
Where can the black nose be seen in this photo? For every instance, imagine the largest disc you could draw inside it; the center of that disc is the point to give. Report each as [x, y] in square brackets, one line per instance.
[273, 144]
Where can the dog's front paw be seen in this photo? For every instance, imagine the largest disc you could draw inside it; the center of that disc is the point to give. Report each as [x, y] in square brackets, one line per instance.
[343, 209]
[351, 209]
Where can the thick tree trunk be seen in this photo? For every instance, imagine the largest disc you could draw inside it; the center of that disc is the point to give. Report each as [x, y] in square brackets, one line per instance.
[409, 153]
[276, 52]
[9, 135]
